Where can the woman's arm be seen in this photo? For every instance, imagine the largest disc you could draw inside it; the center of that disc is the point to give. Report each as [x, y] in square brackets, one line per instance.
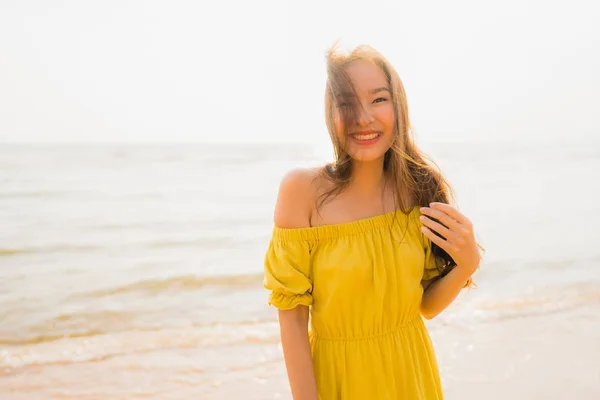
[296, 350]
[458, 240]
[293, 210]
[440, 293]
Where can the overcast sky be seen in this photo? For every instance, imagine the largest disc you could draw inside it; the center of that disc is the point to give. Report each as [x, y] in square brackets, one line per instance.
[90, 71]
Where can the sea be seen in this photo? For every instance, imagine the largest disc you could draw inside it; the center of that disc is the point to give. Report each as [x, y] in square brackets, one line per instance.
[134, 271]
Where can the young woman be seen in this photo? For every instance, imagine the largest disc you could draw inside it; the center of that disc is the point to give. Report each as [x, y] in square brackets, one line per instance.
[370, 244]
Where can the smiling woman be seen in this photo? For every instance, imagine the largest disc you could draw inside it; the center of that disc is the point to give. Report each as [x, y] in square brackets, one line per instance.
[368, 246]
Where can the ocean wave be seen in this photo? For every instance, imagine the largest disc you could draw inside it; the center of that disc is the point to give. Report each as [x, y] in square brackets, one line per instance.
[566, 299]
[212, 242]
[85, 349]
[35, 194]
[95, 348]
[178, 284]
[206, 222]
[10, 252]
[78, 324]
[32, 340]
[94, 325]
[49, 249]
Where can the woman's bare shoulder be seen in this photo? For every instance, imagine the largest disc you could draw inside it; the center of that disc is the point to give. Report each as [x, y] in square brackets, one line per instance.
[298, 191]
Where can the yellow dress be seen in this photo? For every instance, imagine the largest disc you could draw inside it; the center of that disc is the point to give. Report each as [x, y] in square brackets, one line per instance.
[362, 281]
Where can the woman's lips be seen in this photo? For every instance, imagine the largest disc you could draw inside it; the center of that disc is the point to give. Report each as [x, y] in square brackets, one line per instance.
[366, 138]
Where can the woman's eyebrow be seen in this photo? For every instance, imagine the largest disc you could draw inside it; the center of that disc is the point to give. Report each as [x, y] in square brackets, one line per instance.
[350, 95]
[381, 89]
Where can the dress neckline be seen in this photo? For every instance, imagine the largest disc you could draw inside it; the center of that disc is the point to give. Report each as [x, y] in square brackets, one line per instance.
[350, 228]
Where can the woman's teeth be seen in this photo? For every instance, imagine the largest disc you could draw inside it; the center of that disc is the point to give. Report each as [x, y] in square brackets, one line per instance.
[366, 137]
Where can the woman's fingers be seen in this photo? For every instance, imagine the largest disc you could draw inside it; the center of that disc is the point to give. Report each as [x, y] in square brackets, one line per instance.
[441, 242]
[453, 213]
[442, 216]
[437, 227]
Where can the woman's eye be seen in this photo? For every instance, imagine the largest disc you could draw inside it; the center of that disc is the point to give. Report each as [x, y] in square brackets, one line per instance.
[380, 99]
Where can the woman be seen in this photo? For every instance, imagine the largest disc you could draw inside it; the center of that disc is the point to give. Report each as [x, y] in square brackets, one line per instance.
[369, 244]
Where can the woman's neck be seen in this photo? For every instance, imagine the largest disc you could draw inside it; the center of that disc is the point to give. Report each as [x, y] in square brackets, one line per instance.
[368, 178]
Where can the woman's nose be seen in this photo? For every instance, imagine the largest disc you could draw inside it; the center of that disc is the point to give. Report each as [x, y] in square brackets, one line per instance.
[364, 117]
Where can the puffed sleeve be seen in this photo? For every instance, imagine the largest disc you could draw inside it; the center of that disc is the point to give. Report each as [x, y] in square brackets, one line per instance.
[287, 274]
[432, 264]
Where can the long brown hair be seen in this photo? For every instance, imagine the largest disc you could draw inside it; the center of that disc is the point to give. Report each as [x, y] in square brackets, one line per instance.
[412, 172]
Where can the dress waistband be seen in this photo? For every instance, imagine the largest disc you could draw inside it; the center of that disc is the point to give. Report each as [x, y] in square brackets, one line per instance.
[314, 334]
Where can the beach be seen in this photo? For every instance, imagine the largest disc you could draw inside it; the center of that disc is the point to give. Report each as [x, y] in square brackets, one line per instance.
[135, 271]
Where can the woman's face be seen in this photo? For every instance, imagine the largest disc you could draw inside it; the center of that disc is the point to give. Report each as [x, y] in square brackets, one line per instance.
[372, 132]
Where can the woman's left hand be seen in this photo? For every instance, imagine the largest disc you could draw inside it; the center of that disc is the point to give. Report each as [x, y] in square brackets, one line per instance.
[458, 238]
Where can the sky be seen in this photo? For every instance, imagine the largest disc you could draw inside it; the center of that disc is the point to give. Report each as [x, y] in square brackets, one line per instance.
[253, 71]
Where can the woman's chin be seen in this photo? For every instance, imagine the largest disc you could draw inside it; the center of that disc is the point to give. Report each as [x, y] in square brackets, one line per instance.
[367, 155]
